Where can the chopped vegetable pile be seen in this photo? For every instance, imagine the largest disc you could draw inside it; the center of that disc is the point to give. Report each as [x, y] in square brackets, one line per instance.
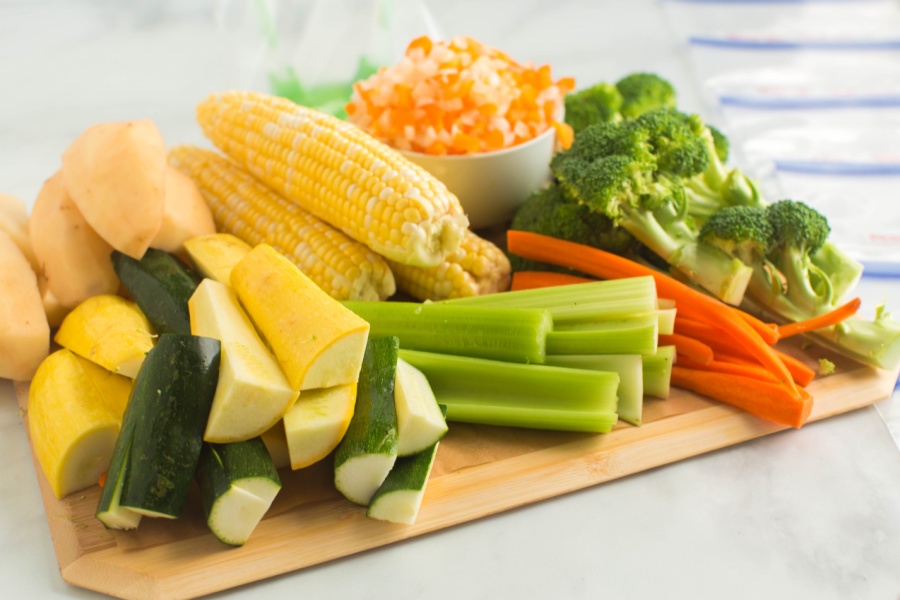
[458, 97]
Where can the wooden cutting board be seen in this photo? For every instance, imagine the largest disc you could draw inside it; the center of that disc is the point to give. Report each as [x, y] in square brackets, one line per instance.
[479, 471]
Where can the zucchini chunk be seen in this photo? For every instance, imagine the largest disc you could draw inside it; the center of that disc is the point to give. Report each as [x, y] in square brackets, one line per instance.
[420, 422]
[400, 496]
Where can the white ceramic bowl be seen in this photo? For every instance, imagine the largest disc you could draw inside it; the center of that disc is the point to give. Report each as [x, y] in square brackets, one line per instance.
[492, 185]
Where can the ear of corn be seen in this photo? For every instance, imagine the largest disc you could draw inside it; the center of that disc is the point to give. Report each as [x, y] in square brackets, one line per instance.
[244, 207]
[478, 267]
[339, 173]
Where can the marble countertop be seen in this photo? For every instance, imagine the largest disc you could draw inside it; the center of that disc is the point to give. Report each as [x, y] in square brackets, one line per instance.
[807, 514]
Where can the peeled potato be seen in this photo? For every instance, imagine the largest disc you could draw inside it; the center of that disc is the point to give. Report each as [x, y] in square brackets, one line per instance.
[74, 260]
[116, 175]
[14, 221]
[185, 214]
[24, 332]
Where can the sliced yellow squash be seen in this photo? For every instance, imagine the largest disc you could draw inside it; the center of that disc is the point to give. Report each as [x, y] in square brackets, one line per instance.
[73, 429]
[318, 341]
[215, 255]
[317, 423]
[252, 393]
[110, 331]
[275, 440]
[114, 389]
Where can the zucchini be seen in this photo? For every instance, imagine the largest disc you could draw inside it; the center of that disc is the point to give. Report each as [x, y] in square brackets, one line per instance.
[238, 483]
[420, 422]
[159, 443]
[400, 496]
[161, 285]
[369, 449]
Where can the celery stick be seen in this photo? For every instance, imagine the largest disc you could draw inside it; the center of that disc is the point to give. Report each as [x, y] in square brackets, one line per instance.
[658, 371]
[631, 382]
[535, 396]
[632, 335]
[497, 333]
[595, 301]
[666, 318]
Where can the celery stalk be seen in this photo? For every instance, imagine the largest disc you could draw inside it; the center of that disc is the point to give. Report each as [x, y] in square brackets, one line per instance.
[657, 370]
[631, 381]
[497, 333]
[536, 396]
[631, 335]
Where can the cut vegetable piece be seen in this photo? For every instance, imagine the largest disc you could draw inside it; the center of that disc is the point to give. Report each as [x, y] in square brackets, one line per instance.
[159, 443]
[215, 255]
[74, 259]
[400, 496]
[238, 483]
[595, 301]
[253, 393]
[114, 389]
[317, 422]
[275, 440]
[110, 511]
[633, 335]
[72, 428]
[116, 175]
[657, 371]
[491, 392]
[631, 381]
[24, 331]
[510, 334]
[110, 331]
[161, 285]
[420, 421]
[185, 213]
[368, 451]
[318, 342]
[14, 222]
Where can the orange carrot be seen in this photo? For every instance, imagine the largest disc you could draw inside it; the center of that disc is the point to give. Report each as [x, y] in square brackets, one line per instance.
[801, 373]
[830, 318]
[527, 280]
[767, 400]
[720, 366]
[102, 480]
[694, 328]
[605, 265]
[767, 331]
[695, 350]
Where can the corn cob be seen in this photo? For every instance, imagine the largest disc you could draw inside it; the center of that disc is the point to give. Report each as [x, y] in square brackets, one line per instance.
[244, 207]
[478, 267]
[338, 173]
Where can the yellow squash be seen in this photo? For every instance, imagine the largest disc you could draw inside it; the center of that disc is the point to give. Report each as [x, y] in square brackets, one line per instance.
[317, 423]
[215, 255]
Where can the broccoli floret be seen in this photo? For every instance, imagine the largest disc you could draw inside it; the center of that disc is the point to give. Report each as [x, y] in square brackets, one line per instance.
[547, 211]
[742, 231]
[632, 172]
[643, 92]
[721, 144]
[597, 104]
[826, 367]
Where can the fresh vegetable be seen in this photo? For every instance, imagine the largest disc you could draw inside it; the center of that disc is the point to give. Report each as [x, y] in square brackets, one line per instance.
[161, 285]
[630, 97]
[338, 173]
[400, 496]
[838, 315]
[238, 483]
[318, 342]
[689, 347]
[14, 222]
[491, 392]
[252, 392]
[635, 173]
[243, 206]
[158, 446]
[636, 334]
[368, 450]
[74, 413]
[24, 331]
[629, 368]
[478, 267]
[317, 422]
[116, 175]
[512, 334]
[656, 370]
[420, 421]
[457, 97]
[109, 331]
[74, 259]
[275, 440]
[185, 214]
[215, 255]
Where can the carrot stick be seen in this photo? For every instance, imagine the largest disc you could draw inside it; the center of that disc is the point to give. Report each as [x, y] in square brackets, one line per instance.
[695, 350]
[830, 318]
[801, 372]
[694, 328]
[606, 265]
[527, 280]
[719, 366]
[102, 480]
[769, 332]
[767, 400]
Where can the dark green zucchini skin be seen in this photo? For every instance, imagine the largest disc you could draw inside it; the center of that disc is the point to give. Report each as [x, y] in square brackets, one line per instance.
[162, 429]
[222, 464]
[161, 285]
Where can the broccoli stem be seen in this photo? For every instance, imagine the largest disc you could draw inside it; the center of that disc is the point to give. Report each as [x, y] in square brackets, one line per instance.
[843, 271]
[809, 289]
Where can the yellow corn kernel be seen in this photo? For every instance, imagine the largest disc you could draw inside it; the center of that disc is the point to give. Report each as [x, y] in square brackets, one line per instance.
[244, 207]
[338, 173]
[478, 267]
